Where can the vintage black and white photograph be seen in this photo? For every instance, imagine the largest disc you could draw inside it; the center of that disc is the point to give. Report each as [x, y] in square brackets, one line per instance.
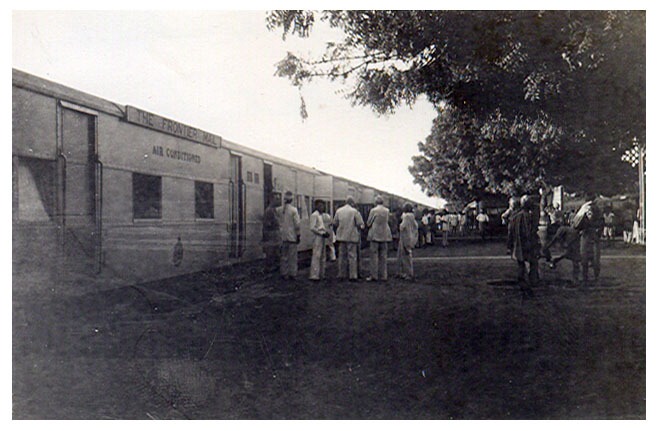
[426, 214]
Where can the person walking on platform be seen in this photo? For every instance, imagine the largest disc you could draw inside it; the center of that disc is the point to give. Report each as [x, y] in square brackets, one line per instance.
[379, 237]
[289, 222]
[408, 238]
[523, 238]
[348, 222]
[320, 235]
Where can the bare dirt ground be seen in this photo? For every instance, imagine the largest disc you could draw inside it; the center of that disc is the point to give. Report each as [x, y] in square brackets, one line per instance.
[460, 342]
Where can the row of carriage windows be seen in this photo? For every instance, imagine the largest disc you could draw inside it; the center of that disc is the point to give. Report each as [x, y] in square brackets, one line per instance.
[253, 177]
[35, 179]
[147, 198]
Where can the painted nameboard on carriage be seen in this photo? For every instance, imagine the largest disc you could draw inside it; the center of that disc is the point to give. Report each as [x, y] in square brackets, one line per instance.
[175, 154]
[165, 125]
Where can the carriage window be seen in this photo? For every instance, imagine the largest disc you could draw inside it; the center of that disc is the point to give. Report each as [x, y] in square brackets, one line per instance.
[203, 200]
[34, 189]
[256, 178]
[249, 177]
[147, 196]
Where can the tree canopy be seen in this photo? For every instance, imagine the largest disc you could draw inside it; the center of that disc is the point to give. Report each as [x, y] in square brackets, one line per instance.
[521, 96]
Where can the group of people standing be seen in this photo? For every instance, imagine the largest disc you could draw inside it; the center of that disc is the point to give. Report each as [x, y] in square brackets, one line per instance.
[441, 223]
[281, 236]
[532, 231]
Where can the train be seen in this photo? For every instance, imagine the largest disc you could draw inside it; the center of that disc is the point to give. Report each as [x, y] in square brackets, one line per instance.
[106, 189]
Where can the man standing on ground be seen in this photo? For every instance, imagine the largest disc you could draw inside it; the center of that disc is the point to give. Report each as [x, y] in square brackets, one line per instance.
[609, 225]
[463, 223]
[514, 206]
[446, 226]
[289, 222]
[523, 237]
[408, 239]
[348, 223]
[320, 235]
[482, 219]
[379, 237]
[589, 221]
[271, 235]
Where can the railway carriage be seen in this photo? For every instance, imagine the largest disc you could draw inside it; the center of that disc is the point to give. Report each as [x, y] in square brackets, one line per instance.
[111, 190]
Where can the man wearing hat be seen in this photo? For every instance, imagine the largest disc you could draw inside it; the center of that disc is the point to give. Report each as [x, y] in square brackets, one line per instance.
[348, 223]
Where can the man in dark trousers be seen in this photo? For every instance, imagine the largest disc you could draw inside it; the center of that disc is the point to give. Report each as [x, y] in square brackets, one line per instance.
[523, 239]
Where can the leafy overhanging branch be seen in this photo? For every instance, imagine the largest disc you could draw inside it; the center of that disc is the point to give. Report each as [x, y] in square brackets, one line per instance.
[560, 87]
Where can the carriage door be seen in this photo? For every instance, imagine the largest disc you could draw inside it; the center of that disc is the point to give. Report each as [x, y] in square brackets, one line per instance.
[237, 203]
[267, 184]
[79, 192]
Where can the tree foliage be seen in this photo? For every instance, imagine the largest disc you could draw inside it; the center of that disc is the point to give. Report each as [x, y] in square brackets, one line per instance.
[521, 95]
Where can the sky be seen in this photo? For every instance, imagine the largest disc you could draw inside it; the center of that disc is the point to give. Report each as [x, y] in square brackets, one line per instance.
[214, 70]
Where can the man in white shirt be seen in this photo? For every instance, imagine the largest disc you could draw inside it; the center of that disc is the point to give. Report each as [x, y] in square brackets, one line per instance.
[289, 222]
[379, 237]
[348, 223]
[426, 222]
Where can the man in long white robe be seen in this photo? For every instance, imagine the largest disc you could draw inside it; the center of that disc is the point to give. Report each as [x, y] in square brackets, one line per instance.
[320, 236]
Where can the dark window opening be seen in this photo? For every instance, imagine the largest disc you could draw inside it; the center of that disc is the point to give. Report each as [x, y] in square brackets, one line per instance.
[203, 200]
[147, 196]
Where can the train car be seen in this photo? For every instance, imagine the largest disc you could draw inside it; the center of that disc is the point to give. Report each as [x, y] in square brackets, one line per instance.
[264, 175]
[116, 191]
